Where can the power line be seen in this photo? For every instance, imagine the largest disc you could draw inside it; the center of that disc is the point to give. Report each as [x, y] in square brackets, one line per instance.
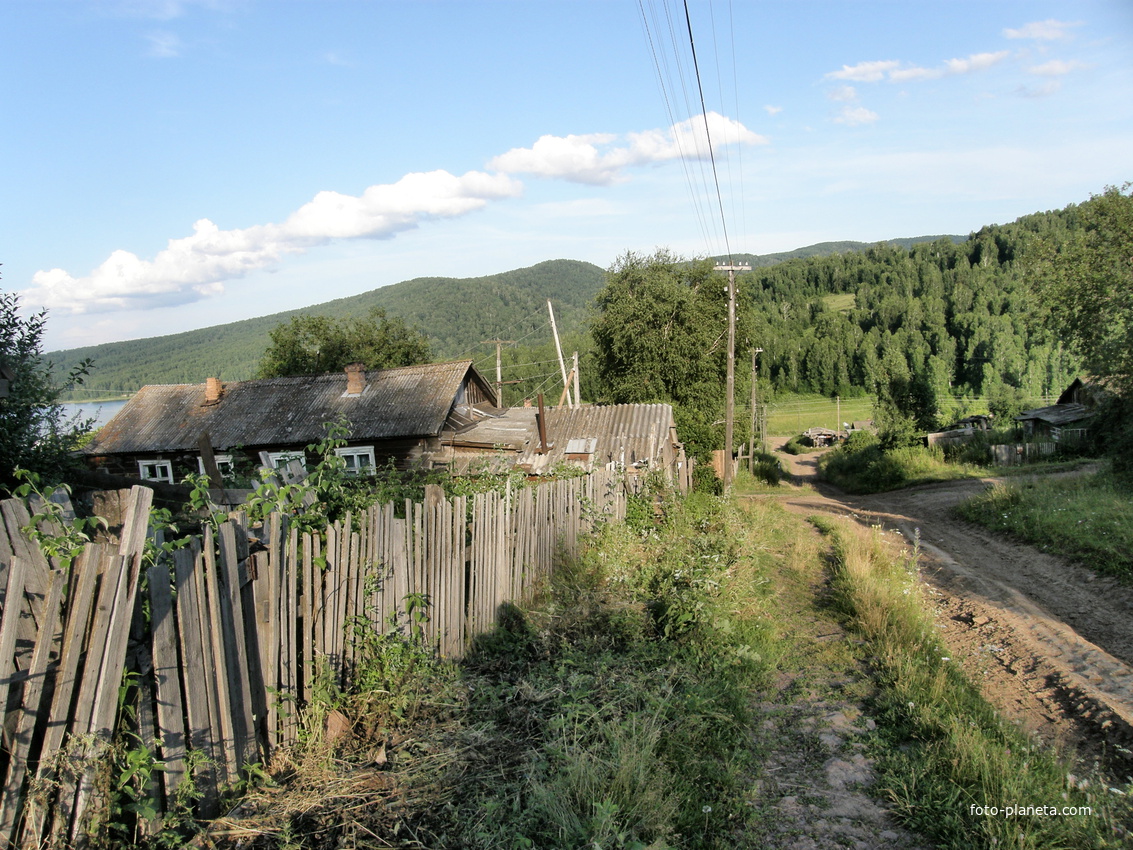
[707, 133]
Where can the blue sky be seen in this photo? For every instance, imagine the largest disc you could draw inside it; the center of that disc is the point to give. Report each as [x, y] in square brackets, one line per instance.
[174, 164]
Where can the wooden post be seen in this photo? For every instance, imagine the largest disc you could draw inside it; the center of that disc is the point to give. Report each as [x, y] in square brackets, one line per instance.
[559, 349]
[730, 402]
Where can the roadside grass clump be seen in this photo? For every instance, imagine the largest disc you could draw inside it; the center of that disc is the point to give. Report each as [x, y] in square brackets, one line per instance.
[861, 465]
[943, 752]
[799, 445]
[1088, 518]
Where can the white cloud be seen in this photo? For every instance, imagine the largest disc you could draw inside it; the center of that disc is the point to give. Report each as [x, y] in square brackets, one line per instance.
[772, 110]
[975, 62]
[600, 159]
[873, 72]
[843, 94]
[197, 266]
[1048, 30]
[854, 116]
[865, 72]
[1057, 67]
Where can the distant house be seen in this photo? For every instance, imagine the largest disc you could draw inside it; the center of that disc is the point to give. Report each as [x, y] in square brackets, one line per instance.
[823, 437]
[1066, 421]
[391, 414]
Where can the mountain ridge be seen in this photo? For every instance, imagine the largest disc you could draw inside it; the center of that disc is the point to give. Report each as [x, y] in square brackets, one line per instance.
[457, 314]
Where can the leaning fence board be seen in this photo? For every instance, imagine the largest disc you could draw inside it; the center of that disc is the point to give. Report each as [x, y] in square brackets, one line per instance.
[29, 710]
[13, 596]
[84, 576]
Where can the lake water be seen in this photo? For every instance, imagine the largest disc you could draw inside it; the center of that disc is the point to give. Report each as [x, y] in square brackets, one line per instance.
[101, 411]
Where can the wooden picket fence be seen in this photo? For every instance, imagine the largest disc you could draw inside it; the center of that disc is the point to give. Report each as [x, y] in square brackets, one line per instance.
[1018, 453]
[219, 643]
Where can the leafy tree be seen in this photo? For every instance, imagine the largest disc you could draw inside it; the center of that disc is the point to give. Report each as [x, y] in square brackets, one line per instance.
[1085, 283]
[312, 345]
[660, 335]
[35, 434]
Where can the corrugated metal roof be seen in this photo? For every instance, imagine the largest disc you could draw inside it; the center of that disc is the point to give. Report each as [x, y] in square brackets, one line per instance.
[406, 402]
[626, 434]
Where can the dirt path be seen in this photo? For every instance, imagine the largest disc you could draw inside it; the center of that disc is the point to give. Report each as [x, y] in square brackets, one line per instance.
[1050, 641]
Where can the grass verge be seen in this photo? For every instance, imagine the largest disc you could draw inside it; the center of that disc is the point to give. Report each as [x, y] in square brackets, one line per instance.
[1088, 518]
[945, 756]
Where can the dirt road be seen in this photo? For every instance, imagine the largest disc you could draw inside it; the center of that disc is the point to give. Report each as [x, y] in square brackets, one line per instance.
[1050, 641]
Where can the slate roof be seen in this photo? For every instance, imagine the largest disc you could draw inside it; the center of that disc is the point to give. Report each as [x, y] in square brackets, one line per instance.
[1057, 414]
[411, 401]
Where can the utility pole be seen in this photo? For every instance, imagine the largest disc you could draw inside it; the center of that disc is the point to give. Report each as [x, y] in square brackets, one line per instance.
[559, 349]
[577, 396]
[730, 409]
[499, 372]
[754, 406]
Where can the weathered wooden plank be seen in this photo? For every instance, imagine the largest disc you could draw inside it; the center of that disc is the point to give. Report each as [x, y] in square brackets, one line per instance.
[236, 647]
[216, 633]
[167, 681]
[84, 579]
[19, 746]
[330, 598]
[349, 597]
[291, 669]
[198, 676]
[307, 640]
[104, 700]
[36, 568]
[266, 638]
[112, 572]
[9, 629]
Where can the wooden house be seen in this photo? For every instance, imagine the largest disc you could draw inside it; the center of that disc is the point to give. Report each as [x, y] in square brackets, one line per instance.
[1067, 421]
[631, 437]
[390, 414]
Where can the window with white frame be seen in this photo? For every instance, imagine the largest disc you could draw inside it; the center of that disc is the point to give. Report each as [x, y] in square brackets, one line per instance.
[278, 459]
[224, 463]
[359, 459]
[156, 470]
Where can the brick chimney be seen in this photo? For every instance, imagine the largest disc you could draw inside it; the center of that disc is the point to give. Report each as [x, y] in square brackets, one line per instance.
[213, 390]
[355, 378]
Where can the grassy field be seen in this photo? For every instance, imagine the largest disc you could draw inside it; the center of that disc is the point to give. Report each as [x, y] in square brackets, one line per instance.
[793, 414]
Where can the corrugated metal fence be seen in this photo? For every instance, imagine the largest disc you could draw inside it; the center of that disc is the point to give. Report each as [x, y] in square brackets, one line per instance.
[222, 640]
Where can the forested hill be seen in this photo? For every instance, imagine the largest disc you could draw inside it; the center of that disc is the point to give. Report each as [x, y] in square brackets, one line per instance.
[826, 249]
[938, 318]
[457, 314]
